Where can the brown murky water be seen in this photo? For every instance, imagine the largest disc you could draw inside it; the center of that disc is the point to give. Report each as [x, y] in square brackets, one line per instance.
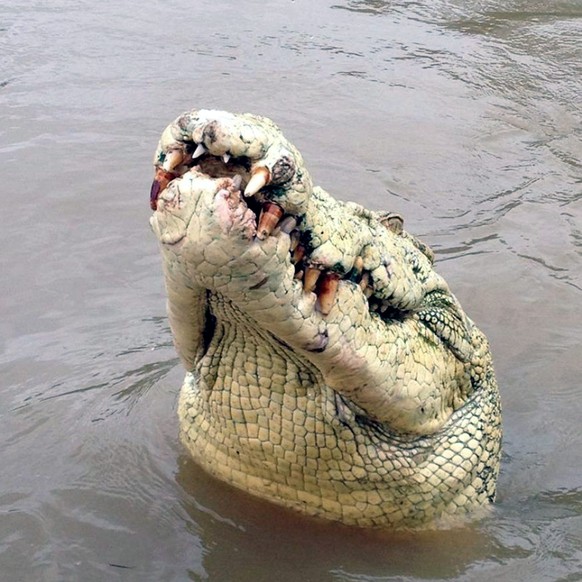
[465, 116]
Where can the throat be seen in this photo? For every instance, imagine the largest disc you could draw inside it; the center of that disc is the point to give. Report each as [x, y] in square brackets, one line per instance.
[245, 361]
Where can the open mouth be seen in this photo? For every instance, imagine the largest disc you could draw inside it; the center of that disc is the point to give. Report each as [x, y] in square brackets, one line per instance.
[241, 224]
[250, 188]
[242, 183]
[331, 242]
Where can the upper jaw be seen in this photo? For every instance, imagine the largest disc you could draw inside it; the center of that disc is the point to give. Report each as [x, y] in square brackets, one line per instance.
[248, 145]
[238, 175]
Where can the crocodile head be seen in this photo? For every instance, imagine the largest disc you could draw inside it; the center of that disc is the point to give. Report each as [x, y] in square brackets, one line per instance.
[330, 287]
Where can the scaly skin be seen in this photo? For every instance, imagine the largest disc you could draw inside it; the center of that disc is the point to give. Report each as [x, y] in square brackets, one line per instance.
[330, 369]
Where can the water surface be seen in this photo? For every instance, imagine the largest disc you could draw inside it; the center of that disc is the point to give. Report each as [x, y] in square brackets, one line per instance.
[464, 116]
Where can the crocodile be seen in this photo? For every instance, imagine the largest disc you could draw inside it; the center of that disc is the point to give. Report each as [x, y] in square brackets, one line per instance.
[329, 368]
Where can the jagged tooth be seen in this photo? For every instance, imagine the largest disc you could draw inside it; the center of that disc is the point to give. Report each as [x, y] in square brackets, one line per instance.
[259, 179]
[310, 280]
[368, 292]
[299, 275]
[294, 240]
[237, 181]
[199, 151]
[328, 286]
[173, 159]
[155, 194]
[359, 265]
[288, 224]
[364, 281]
[270, 216]
[225, 158]
[161, 181]
[298, 254]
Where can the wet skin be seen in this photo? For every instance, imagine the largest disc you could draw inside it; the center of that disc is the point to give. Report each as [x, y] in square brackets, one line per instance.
[330, 368]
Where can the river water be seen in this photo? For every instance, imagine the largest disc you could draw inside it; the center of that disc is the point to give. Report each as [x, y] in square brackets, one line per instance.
[463, 115]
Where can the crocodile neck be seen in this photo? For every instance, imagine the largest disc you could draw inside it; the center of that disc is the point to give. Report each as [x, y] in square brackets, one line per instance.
[258, 418]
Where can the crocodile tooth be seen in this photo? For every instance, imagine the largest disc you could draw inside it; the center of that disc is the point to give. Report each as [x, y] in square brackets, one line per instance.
[288, 224]
[259, 179]
[359, 265]
[225, 158]
[154, 194]
[368, 292]
[173, 159]
[364, 281]
[311, 277]
[236, 181]
[299, 275]
[298, 254]
[199, 151]
[270, 216]
[161, 181]
[327, 291]
[294, 240]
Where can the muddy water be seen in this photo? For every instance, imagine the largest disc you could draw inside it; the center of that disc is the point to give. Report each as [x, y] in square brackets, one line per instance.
[464, 116]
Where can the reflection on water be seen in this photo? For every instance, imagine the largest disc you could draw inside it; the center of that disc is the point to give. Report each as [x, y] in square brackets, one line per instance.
[462, 116]
[258, 539]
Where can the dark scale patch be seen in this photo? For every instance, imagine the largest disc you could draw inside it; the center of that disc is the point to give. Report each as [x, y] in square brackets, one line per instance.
[488, 478]
[210, 325]
[183, 122]
[339, 269]
[299, 175]
[273, 192]
[393, 314]
[210, 132]
[354, 275]
[283, 170]
[416, 268]
[306, 240]
[161, 159]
